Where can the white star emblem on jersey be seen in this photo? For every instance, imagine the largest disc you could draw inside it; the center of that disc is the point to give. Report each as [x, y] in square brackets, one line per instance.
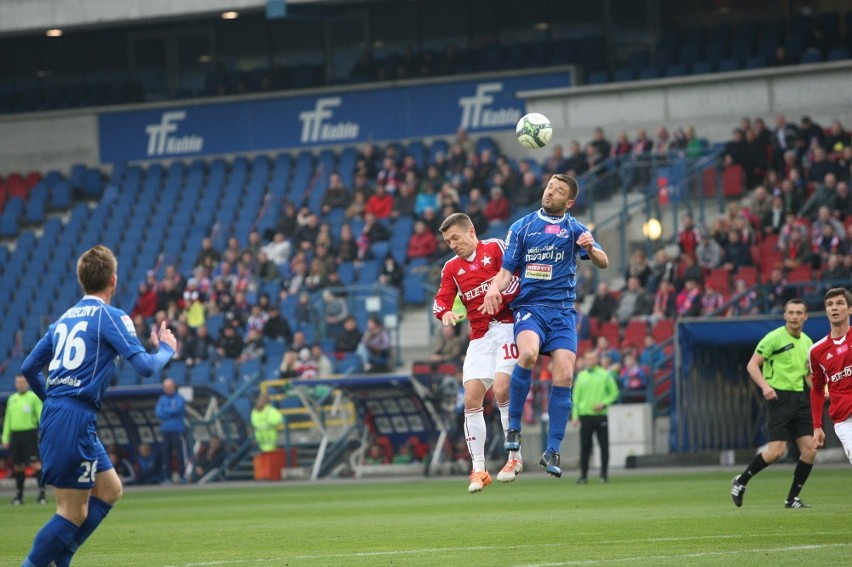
[486, 260]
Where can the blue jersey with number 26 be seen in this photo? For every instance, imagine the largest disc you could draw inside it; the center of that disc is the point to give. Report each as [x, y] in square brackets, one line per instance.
[80, 349]
[545, 249]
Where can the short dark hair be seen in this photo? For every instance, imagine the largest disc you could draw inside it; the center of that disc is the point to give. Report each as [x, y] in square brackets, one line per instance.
[456, 219]
[837, 292]
[95, 268]
[573, 186]
[796, 301]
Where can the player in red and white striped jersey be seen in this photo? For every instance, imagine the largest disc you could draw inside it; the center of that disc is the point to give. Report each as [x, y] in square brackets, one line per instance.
[492, 352]
[831, 365]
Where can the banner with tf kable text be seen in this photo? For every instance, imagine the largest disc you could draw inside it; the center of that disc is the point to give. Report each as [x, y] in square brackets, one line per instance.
[381, 114]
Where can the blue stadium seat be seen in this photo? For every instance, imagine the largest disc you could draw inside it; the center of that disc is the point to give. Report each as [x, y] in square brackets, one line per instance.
[755, 62]
[199, 373]
[728, 65]
[838, 53]
[598, 78]
[624, 74]
[810, 56]
[647, 73]
[225, 374]
[702, 68]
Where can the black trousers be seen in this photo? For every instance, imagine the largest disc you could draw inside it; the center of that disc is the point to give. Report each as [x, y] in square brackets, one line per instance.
[593, 425]
[174, 444]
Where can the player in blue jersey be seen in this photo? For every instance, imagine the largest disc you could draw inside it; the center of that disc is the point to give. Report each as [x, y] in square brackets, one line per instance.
[542, 248]
[79, 350]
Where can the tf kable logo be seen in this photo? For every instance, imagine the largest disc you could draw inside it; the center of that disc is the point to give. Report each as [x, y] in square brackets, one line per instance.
[478, 110]
[163, 138]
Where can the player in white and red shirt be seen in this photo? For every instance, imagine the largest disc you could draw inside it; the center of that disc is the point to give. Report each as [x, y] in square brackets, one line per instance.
[492, 353]
[831, 365]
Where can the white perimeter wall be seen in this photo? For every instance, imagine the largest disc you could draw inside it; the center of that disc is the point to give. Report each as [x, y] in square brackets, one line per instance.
[713, 104]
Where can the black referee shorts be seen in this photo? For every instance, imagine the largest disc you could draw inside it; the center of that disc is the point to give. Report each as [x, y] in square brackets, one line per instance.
[23, 445]
[789, 417]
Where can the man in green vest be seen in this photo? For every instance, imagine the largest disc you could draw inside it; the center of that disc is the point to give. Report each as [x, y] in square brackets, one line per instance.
[266, 421]
[20, 436]
[595, 389]
[779, 367]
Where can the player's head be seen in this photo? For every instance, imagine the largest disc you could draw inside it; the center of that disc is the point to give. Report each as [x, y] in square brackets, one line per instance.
[21, 384]
[96, 269]
[559, 194]
[838, 304]
[459, 234]
[795, 314]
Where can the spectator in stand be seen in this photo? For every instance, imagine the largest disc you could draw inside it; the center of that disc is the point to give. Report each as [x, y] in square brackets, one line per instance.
[210, 456]
[688, 300]
[745, 300]
[498, 209]
[736, 252]
[146, 302]
[335, 312]
[837, 139]
[593, 156]
[336, 195]
[639, 267]
[476, 211]
[825, 243]
[776, 292]
[604, 303]
[634, 301]
[304, 313]
[356, 206]
[374, 230]
[168, 295]
[426, 199]
[230, 343]
[148, 465]
[688, 269]
[820, 166]
[403, 203]
[391, 273]
[785, 133]
[711, 300]
[254, 347]
[317, 278]
[380, 203]
[198, 346]
[604, 349]
[306, 368]
[632, 379]
[422, 243]
[773, 219]
[688, 235]
[556, 162]
[836, 272]
[484, 168]
[708, 254]
[793, 196]
[600, 142]
[842, 207]
[662, 269]
[306, 234]
[652, 356]
[528, 192]
[276, 327]
[575, 162]
[458, 158]
[347, 246]
[795, 250]
[349, 337]
[621, 149]
[374, 347]
[759, 203]
[448, 345]
[287, 368]
[207, 252]
[389, 176]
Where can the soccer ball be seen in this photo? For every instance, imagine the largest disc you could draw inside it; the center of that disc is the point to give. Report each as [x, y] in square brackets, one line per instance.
[533, 130]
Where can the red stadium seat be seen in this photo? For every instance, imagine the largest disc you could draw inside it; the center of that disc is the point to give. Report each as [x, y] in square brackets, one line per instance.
[634, 334]
[747, 274]
[611, 331]
[710, 181]
[733, 180]
[800, 274]
[662, 330]
[720, 279]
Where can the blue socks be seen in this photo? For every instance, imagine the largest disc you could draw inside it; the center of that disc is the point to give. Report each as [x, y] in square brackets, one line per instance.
[519, 387]
[559, 408]
[98, 509]
[50, 541]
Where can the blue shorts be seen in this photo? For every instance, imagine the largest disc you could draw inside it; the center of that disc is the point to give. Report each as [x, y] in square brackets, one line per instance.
[71, 453]
[555, 326]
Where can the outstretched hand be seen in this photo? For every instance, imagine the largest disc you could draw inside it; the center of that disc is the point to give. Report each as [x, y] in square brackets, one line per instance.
[163, 334]
[492, 301]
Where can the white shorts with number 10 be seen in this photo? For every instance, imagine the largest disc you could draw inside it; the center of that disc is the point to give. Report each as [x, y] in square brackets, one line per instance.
[494, 352]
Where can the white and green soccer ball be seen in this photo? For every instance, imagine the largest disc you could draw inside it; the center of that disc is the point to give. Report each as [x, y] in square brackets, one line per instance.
[533, 130]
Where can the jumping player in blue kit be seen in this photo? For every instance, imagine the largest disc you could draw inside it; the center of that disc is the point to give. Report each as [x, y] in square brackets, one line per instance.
[542, 248]
[79, 350]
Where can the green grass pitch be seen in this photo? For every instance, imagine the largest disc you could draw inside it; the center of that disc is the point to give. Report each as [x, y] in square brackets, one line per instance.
[646, 518]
